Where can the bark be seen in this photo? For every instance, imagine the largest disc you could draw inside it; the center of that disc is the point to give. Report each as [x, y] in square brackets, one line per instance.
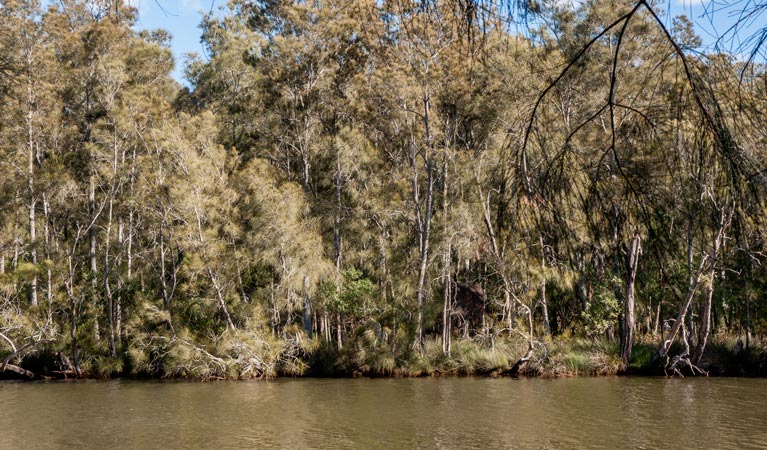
[10, 342]
[92, 229]
[31, 180]
[657, 319]
[544, 306]
[131, 216]
[130, 246]
[315, 324]
[683, 360]
[690, 241]
[326, 327]
[212, 275]
[521, 363]
[447, 322]
[615, 229]
[749, 274]
[629, 326]
[47, 237]
[447, 307]
[275, 319]
[19, 370]
[423, 219]
[305, 172]
[705, 326]
[497, 254]
[17, 354]
[92, 244]
[706, 265]
[107, 287]
[498, 257]
[337, 242]
[307, 320]
[221, 300]
[507, 316]
[73, 307]
[167, 288]
[163, 274]
[695, 282]
[118, 314]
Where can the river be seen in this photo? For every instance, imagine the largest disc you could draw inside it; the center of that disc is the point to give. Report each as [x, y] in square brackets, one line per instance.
[461, 413]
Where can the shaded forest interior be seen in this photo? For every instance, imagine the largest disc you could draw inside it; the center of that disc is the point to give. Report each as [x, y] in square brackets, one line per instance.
[379, 187]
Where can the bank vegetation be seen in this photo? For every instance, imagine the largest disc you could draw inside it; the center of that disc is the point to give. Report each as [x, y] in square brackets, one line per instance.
[379, 187]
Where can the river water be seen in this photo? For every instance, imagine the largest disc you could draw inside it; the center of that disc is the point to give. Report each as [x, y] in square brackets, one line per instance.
[461, 413]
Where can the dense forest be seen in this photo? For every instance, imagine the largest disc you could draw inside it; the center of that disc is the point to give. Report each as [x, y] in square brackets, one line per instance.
[378, 187]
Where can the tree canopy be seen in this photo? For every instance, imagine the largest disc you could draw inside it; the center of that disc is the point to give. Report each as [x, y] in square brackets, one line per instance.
[375, 187]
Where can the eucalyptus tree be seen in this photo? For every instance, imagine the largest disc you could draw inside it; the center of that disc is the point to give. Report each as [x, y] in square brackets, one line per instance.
[635, 118]
[29, 105]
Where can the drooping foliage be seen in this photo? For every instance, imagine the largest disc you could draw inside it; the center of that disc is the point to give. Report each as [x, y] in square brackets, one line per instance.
[373, 187]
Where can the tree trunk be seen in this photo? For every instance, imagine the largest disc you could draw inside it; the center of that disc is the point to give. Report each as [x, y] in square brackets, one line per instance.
[521, 363]
[339, 333]
[544, 306]
[423, 219]
[695, 281]
[107, 287]
[705, 326]
[31, 180]
[92, 246]
[73, 307]
[275, 313]
[420, 294]
[337, 243]
[447, 307]
[221, 300]
[629, 326]
[447, 294]
[163, 273]
[19, 370]
[47, 238]
[92, 228]
[615, 221]
[749, 274]
[707, 263]
[690, 273]
[307, 320]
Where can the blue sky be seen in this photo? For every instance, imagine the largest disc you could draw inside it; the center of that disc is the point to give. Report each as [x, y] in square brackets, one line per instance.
[182, 18]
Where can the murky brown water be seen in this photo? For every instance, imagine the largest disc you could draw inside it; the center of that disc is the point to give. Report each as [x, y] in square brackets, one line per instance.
[456, 413]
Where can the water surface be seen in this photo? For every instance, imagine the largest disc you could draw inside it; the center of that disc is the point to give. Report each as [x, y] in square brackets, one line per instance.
[459, 413]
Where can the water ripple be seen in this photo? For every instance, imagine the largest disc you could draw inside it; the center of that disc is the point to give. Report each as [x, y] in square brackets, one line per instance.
[465, 413]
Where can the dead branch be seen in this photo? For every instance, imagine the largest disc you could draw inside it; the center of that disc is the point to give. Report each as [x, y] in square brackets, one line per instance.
[19, 370]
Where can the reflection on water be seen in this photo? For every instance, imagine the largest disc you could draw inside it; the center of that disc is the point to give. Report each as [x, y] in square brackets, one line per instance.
[388, 413]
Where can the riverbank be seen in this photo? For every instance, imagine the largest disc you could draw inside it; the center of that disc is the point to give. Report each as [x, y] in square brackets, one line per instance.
[365, 357]
[551, 359]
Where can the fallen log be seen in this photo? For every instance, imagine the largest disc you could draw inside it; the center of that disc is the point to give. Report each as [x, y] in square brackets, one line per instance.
[19, 370]
[65, 373]
[520, 364]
